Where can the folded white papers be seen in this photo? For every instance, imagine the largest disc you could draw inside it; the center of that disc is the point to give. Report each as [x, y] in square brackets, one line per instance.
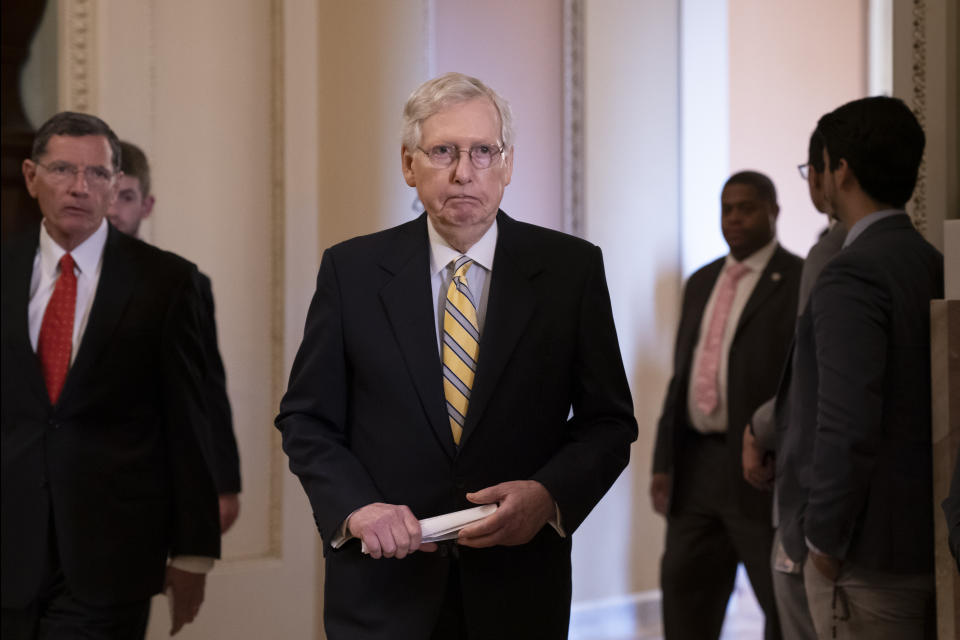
[448, 525]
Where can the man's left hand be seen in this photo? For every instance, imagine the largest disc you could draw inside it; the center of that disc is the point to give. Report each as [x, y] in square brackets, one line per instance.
[524, 507]
[229, 510]
[826, 565]
[185, 589]
[758, 465]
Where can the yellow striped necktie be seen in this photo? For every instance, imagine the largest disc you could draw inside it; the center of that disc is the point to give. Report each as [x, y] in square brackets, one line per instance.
[461, 343]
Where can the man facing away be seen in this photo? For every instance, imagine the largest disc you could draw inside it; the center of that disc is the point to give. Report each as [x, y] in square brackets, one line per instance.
[759, 437]
[737, 319]
[134, 203]
[856, 488]
[103, 469]
[460, 359]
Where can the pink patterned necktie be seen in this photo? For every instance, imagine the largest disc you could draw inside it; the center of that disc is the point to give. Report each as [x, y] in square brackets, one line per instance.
[706, 385]
[56, 329]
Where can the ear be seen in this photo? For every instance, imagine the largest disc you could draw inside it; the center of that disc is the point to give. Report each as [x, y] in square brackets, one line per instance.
[147, 206]
[29, 168]
[845, 176]
[508, 170]
[406, 165]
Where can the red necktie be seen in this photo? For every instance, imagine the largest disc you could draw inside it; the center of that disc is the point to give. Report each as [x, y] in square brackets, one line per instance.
[56, 331]
[705, 388]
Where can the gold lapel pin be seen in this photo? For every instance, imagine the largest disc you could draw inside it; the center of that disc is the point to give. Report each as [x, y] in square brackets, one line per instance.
[775, 276]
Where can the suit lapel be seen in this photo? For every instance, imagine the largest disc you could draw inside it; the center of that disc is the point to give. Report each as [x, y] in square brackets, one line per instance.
[118, 277]
[406, 298]
[769, 282]
[509, 308]
[16, 300]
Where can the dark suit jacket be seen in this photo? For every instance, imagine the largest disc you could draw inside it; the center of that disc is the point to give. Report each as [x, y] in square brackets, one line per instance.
[756, 358]
[854, 466]
[224, 457]
[117, 462]
[364, 421]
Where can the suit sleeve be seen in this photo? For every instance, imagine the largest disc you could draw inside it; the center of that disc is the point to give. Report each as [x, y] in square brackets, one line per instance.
[225, 458]
[196, 523]
[312, 417]
[603, 424]
[763, 425]
[674, 401]
[850, 315]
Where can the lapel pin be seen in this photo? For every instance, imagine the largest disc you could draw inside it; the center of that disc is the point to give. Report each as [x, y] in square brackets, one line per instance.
[775, 276]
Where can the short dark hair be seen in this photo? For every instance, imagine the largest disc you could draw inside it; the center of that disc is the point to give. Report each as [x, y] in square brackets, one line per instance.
[815, 151]
[881, 141]
[135, 165]
[762, 184]
[71, 123]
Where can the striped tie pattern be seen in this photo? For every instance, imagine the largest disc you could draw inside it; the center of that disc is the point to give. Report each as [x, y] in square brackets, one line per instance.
[461, 343]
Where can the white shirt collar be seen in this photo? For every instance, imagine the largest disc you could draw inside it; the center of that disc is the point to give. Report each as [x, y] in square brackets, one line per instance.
[442, 254]
[86, 255]
[757, 261]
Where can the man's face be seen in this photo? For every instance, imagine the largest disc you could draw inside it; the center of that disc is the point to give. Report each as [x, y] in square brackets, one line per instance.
[815, 186]
[69, 186]
[131, 207]
[460, 198]
[748, 221]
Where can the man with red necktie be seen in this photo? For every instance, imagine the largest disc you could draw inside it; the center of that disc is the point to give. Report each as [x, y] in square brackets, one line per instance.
[735, 329]
[101, 382]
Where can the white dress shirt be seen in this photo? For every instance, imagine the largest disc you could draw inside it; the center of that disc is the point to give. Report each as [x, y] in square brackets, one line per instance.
[88, 261]
[716, 422]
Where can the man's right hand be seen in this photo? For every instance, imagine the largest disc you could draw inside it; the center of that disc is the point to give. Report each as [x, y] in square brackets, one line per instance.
[660, 492]
[387, 530]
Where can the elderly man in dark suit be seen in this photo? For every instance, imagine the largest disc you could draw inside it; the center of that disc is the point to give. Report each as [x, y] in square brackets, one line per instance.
[460, 359]
[854, 461]
[735, 329]
[104, 474]
[134, 203]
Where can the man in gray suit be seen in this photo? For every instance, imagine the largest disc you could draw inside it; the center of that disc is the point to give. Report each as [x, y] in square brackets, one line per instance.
[854, 457]
[760, 438]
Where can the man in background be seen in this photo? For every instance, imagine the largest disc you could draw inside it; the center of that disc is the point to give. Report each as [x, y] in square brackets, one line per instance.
[104, 475]
[735, 328]
[854, 461]
[760, 436]
[134, 203]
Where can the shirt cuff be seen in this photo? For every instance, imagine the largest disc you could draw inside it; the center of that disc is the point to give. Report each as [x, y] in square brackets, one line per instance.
[556, 521]
[343, 534]
[193, 564]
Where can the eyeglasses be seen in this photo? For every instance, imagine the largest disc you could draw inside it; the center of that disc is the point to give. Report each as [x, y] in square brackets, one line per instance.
[442, 156]
[96, 177]
[804, 170]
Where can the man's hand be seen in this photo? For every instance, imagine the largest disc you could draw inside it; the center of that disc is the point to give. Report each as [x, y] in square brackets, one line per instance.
[826, 565]
[185, 590]
[387, 530]
[229, 510]
[660, 492]
[525, 506]
[758, 464]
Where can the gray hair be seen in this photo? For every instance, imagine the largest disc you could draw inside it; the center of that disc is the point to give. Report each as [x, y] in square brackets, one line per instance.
[439, 93]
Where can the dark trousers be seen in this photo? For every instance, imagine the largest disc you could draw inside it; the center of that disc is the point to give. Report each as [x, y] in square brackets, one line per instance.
[451, 624]
[56, 614]
[706, 538]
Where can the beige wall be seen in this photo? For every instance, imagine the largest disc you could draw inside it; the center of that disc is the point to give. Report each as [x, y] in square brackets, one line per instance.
[788, 66]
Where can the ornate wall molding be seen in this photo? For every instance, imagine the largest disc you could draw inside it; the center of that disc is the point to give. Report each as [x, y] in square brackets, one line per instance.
[918, 208]
[78, 55]
[277, 272]
[573, 88]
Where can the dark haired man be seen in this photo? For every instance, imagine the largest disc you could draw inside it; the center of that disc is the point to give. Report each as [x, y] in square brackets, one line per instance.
[101, 363]
[855, 486]
[133, 204]
[735, 328]
[759, 437]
